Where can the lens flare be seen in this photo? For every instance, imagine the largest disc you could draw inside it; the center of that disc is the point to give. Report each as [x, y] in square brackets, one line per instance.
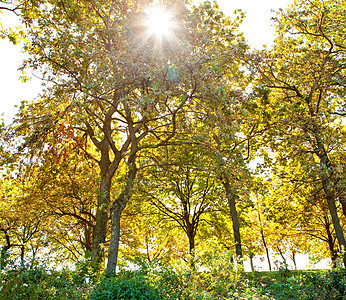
[159, 22]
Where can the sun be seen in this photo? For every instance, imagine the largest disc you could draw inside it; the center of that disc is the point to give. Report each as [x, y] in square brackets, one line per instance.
[159, 22]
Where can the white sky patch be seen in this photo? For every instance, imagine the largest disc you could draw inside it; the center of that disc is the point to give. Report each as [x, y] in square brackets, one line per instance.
[12, 89]
[257, 25]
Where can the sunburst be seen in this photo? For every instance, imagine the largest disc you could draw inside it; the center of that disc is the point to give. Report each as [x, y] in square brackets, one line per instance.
[159, 22]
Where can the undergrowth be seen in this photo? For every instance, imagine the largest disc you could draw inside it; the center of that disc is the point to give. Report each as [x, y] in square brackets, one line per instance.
[221, 278]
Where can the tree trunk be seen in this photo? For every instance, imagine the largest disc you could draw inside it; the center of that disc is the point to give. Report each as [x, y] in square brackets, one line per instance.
[192, 250]
[263, 239]
[294, 259]
[331, 244]
[116, 211]
[333, 212]
[234, 215]
[115, 239]
[22, 254]
[267, 250]
[190, 228]
[251, 263]
[191, 244]
[340, 194]
[5, 248]
[100, 228]
[283, 257]
[324, 164]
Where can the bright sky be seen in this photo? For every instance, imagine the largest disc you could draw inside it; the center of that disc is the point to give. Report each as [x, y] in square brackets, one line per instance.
[257, 29]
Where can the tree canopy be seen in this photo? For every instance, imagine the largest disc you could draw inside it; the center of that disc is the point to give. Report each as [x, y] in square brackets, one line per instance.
[174, 144]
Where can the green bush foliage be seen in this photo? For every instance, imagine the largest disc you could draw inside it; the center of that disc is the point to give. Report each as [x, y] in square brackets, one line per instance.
[132, 285]
[37, 281]
[219, 277]
[303, 285]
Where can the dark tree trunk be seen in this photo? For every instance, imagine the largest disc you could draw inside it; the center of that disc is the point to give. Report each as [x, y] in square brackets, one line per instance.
[100, 228]
[342, 200]
[283, 257]
[115, 239]
[116, 211]
[331, 244]
[5, 248]
[191, 244]
[325, 167]
[87, 237]
[251, 256]
[22, 254]
[234, 215]
[267, 250]
[190, 229]
[191, 237]
[333, 212]
[294, 260]
[107, 170]
[264, 240]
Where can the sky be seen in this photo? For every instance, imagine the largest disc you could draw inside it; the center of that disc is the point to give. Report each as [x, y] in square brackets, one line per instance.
[257, 29]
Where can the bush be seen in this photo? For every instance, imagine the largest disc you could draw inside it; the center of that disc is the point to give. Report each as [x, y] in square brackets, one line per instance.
[221, 279]
[303, 285]
[39, 282]
[125, 286]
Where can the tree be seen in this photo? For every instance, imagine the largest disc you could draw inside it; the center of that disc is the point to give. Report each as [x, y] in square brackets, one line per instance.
[149, 236]
[65, 185]
[20, 224]
[118, 88]
[183, 189]
[302, 83]
[298, 205]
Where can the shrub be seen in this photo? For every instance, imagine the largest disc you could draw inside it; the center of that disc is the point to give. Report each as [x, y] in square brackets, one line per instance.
[221, 279]
[39, 282]
[127, 285]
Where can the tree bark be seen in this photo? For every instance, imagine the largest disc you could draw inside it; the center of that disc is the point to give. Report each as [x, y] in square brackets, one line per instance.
[22, 254]
[191, 244]
[5, 248]
[191, 237]
[191, 228]
[331, 243]
[340, 193]
[294, 259]
[251, 263]
[107, 169]
[263, 239]
[234, 215]
[100, 228]
[283, 257]
[116, 211]
[267, 250]
[324, 165]
[115, 239]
